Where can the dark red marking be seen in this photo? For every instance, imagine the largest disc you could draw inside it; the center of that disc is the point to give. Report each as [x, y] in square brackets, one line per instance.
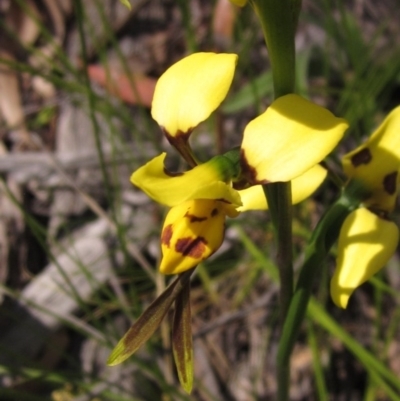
[193, 218]
[193, 247]
[248, 171]
[166, 235]
[390, 183]
[214, 212]
[364, 156]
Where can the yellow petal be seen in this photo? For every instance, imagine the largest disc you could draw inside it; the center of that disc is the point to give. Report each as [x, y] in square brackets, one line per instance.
[192, 232]
[191, 89]
[366, 243]
[289, 138]
[376, 163]
[253, 198]
[205, 181]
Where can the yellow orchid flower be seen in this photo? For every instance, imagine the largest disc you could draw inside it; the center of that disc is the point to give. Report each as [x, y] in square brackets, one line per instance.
[284, 143]
[367, 240]
[200, 199]
[289, 138]
[376, 163]
[366, 243]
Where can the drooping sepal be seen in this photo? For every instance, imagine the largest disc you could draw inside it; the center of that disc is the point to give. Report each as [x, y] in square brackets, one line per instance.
[289, 138]
[182, 342]
[366, 243]
[148, 322]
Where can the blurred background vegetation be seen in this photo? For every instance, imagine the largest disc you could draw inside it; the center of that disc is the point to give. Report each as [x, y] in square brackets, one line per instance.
[79, 246]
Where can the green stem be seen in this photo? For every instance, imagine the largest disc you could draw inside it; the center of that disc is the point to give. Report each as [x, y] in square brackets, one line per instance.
[279, 20]
[279, 197]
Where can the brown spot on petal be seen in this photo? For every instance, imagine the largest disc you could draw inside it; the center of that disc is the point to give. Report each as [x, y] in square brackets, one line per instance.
[193, 218]
[362, 157]
[214, 212]
[248, 171]
[166, 235]
[390, 183]
[383, 214]
[193, 247]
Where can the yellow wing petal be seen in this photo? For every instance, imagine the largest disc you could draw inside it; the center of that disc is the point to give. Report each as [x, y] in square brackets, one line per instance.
[289, 138]
[253, 198]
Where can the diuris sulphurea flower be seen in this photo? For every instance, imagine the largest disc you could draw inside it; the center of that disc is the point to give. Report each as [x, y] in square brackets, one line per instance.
[368, 238]
[200, 199]
[284, 143]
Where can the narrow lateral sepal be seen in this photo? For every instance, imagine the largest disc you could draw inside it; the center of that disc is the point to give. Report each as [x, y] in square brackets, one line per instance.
[148, 322]
[182, 342]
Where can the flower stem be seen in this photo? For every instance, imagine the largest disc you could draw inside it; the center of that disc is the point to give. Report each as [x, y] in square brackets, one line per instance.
[279, 21]
[280, 204]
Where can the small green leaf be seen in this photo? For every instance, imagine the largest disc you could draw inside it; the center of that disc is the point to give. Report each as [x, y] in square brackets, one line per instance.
[148, 322]
[126, 4]
[182, 343]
